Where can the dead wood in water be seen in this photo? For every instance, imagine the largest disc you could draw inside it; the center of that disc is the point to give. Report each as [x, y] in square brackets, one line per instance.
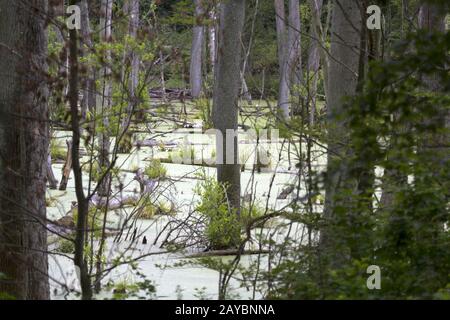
[67, 167]
[232, 252]
[170, 94]
[53, 183]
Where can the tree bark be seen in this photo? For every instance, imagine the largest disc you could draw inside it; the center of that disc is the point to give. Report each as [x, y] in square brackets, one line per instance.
[434, 146]
[105, 100]
[24, 142]
[52, 182]
[293, 64]
[343, 80]
[320, 35]
[212, 31]
[88, 101]
[283, 87]
[132, 60]
[67, 167]
[197, 51]
[314, 61]
[226, 94]
[83, 206]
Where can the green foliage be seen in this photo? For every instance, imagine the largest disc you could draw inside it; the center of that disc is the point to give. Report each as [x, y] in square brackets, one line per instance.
[395, 123]
[204, 108]
[94, 220]
[140, 288]
[66, 246]
[57, 152]
[149, 209]
[222, 227]
[155, 170]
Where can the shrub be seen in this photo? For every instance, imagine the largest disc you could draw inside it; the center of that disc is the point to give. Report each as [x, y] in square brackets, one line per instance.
[66, 246]
[222, 229]
[155, 170]
[57, 152]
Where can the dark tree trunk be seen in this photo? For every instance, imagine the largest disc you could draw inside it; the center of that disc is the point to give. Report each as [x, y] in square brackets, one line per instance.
[226, 94]
[343, 80]
[24, 142]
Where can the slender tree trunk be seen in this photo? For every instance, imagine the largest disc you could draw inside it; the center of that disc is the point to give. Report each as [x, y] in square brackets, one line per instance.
[283, 88]
[226, 95]
[212, 45]
[343, 80]
[133, 81]
[314, 62]
[52, 182]
[320, 35]
[24, 141]
[197, 50]
[434, 147]
[294, 39]
[89, 100]
[80, 234]
[105, 100]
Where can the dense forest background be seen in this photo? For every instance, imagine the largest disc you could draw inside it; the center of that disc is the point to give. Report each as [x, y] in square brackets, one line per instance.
[114, 115]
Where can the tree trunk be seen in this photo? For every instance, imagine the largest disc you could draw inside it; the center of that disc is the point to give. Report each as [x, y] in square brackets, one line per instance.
[83, 207]
[283, 88]
[126, 145]
[434, 147]
[343, 80]
[212, 39]
[88, 102]
[320, 36]
[314, 62]
[104, 104]
[226, 95]
[52, 182]
[294, 38]
[197, 50]
[24, 142]
[67, 167]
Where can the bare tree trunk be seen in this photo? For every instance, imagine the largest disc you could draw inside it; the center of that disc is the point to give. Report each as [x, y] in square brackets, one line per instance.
[83, 207]
[212, 32]
[293, 65]
[320, 35]
[24, 141]
[197, 51]
[52, 182]
[434, 147]
[283, 88]
[314, 62]
[133, 81]
[226, 94]
[89, 100]
[67, 167]
[104, 104]
[343, 80]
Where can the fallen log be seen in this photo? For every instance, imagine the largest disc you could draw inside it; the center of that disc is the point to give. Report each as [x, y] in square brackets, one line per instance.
[222, 253]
